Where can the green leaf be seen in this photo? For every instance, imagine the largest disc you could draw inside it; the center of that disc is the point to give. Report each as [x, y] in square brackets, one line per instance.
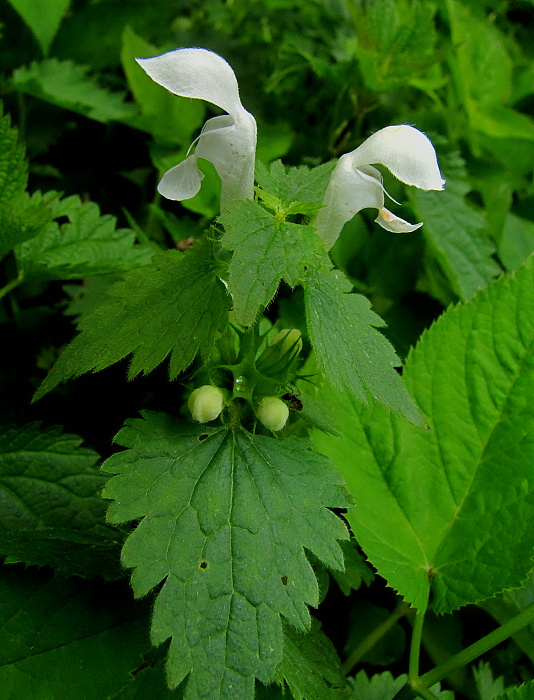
[65, 638]
[455, 233]
[516, 242]
[439, 508]
[357, 571]
[87, 246]
[169, 118]
[13, 165]
[522, 692]
[47, 480]
[487, 686]
[68, 85]
[73, 552]
[311, 666]
[381, 686]
[43, 17]
[225, 517]
[149, 684]
[354, 356]
[267, 249]
[173, 306]
[300, 185]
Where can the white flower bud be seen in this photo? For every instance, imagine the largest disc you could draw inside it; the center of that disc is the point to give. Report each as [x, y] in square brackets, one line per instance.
[206, 403]
[272, 412]
[288, 339]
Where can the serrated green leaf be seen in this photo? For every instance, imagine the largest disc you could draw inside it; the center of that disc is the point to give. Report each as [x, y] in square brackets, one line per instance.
[487, 686]
[149, 684]
[457, 238]
[437, 508]
[522, 692]
[353, 354]
[87, 246]
[68, 85]
[65, 639]
[43, 17]
[48, 480]
[311, 666]
[381, 686]
[301, 185]
[357, 570]
[13, 165]
[225, 518]
[266, 250]
[173, 306]
[73, 552]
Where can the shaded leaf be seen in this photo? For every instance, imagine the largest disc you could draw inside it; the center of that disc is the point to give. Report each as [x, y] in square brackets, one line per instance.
[43, 17]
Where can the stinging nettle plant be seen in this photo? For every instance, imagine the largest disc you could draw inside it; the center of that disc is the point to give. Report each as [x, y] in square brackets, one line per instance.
[234, 504]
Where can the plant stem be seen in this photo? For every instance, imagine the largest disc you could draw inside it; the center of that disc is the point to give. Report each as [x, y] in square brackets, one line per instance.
[10, 286]
[415, 645]
[478, 648]
[373, 638]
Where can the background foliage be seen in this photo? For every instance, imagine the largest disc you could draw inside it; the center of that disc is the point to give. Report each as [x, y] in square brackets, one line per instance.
[445, 512]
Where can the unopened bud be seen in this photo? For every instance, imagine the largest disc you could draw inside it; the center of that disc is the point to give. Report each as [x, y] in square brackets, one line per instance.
[288, 339]
[206, 403]
[272, 412]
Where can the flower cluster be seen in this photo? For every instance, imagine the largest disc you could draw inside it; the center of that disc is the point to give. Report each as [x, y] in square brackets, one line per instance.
[229, 142]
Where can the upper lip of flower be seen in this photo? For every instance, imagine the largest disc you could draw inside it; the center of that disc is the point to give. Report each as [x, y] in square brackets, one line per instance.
[355, 184]
[228, 141]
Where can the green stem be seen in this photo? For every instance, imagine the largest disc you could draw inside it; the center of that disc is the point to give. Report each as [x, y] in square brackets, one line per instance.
[483, 645]
[373, 638]
[10, 286]
[415, 645]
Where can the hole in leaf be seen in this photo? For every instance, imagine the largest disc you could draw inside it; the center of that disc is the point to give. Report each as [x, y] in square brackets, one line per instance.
[284, 580]
[203, 564]
[203, 437]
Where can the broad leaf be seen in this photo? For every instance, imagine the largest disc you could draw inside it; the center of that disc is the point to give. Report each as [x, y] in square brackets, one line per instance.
[436, 508]
[355, 356]
[43, 17]
[65, 638]
[457, 238]
[68, 85]
[311, 666]
[267, 249]
[87, 246]
[225, 517]
[48, 480]
[516, 242]
[172, 306]
[522, 692]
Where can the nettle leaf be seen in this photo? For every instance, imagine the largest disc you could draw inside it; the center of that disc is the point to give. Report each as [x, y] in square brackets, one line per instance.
[522, 692]
[311, 666]
[225, 517]
[353, 354]
[456, 234]
[43, 17]
[87, 245]
[487, 686]
[66, 638]
[13, 165]
[173, 306]
[439, 509]
[47, 479]
[266, 249]
[381, 686]
[295, 187]
[68, 85]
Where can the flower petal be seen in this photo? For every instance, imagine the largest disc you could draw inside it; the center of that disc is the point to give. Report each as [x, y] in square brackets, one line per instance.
[232, 149]
[182, 181]
[406, 152]
[196, 73]
[350, 190]
[393, 223]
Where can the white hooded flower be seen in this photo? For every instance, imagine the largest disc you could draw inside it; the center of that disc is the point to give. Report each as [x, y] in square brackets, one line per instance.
[227, 141]
[356, 185]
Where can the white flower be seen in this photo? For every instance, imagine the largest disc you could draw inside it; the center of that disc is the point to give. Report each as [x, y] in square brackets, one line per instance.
[227, 141]
[355, 184]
